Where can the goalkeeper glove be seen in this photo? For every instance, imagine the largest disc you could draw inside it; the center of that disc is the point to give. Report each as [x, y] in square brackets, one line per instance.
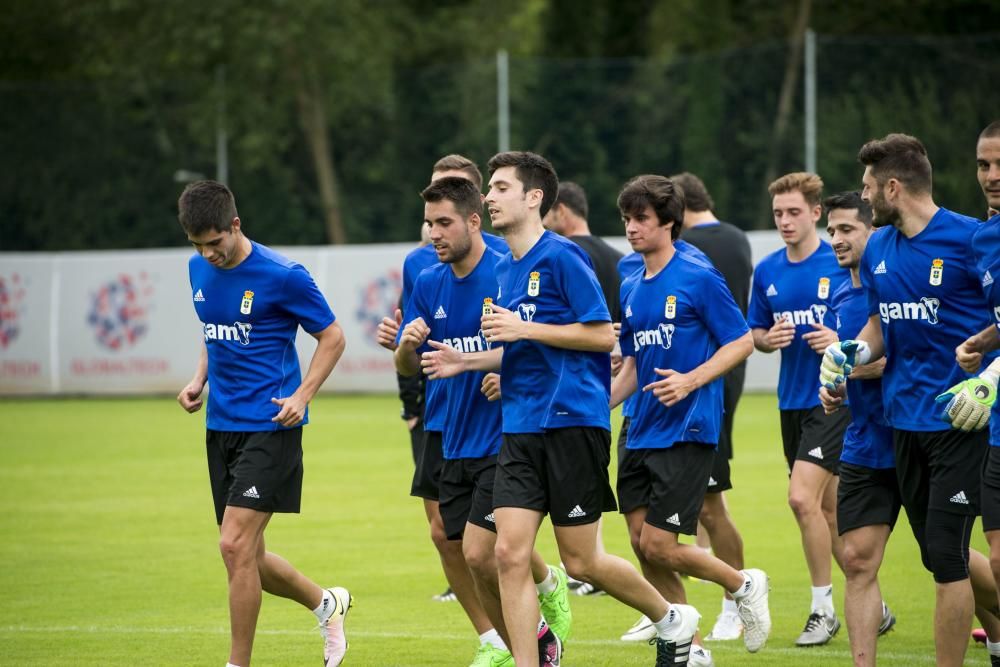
[968, 404]
[839, 360]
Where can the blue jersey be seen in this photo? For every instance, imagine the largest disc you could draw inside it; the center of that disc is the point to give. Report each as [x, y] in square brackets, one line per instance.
[928, 297]
[415, 263]
[452, 307]
[800, 292]
[632, 263]
[986, 254]
[547, 387]
[677, 320]
[868, 439]
[250, 315]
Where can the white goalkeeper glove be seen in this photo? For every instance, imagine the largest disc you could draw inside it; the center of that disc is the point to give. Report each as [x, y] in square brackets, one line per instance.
[839, 360]
[967, 405]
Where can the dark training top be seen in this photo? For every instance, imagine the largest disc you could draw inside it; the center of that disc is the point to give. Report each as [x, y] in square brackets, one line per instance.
[605, 260]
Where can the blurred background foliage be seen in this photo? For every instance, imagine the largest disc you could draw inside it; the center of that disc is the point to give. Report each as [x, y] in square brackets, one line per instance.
[334, 111]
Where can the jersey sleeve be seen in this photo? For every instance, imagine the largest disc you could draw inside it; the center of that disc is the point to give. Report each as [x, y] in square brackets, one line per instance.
[719, 311]
[759, 315]
[305, 302]
[579, 287]
[625, 339]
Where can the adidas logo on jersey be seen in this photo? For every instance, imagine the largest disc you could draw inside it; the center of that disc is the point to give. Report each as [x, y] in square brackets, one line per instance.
[251, 493]
[880, 269]
[440, 314]
[198, 296]
[960, 498]
[628, 310]
[816, 453]
[771, 290]
[576, 513]
[674, 519]
[987, 279]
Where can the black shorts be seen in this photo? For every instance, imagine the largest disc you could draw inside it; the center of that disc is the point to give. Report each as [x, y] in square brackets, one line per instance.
[670, 483]
[732, 390]
[467, 494]
[718, 481]
[417, 440]
[427, 474]
[813, 436]
[866, 497]
[258, 470]
[990, 498]
[939, 470]
[562, 471]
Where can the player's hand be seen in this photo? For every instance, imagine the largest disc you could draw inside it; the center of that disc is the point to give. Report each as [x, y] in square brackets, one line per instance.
[820, 338]
[385, 333]
[443, 362]
[831, 400]
[503, 326]
[292, 412]
[673, 388]
[414, 334]
[780, 335]
[616, 361]
[969, 355]
[491, 386]
[190, 396]
[839, 359]
[967, 405]
[412, 422]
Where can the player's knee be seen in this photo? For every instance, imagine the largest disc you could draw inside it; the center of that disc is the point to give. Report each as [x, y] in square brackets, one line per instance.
[578, 567]
[859, 562]
[479, 558]
[947, 537]
[802, 503]
[236, 552]
[995, 564]
[438, 536]
[661, 550]
[509, 556]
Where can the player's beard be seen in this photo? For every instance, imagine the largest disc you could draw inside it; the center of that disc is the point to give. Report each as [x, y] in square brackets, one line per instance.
[459, 249]
[883, 214]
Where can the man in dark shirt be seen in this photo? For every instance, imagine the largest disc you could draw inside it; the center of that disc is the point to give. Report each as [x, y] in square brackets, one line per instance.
[568, 217]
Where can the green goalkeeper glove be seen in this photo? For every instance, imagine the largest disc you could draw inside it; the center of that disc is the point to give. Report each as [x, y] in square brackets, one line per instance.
[967, 405]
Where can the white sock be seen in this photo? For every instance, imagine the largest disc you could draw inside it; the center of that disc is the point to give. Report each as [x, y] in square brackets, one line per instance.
[668, 623]
[744, 588]
[728, 606]
[548, 584]
[326, 607]
[492, 637]
[229, 664]
[823, 599]
[993, 648]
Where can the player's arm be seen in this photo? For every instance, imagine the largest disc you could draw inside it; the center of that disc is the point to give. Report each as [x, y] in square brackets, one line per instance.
[445, 361]
[190, 396]
[413, 336]
[869, 371]
[506, 326]
[969, 354]
[675, 387]
[330, 346]
[625, 383]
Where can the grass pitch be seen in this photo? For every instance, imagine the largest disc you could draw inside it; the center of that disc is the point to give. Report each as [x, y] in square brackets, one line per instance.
[109, 553]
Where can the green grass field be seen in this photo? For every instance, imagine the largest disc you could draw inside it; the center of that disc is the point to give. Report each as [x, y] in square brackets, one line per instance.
[109, 553]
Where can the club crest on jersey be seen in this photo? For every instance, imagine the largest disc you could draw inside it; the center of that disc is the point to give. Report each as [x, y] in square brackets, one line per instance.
[670, 309]
[487, 306]
[247, 302]
[937, 272]
[823, 290]
[534, 282]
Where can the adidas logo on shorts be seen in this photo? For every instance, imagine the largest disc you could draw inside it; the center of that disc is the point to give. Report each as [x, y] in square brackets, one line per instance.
[711, 481]
[960, 498]
[816, 453]
[674, 519]
[489, 517]
[576, 513]
[251, 493]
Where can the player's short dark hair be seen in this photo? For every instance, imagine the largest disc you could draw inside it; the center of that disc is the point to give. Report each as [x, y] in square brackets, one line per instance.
[205, 206]
[696, 197]
[461, 192]
[572, 196]
[991, 131]
[898, 156]
[659, 192]
[809, 184]
[456, 162]
[534, 171]
[849, 201]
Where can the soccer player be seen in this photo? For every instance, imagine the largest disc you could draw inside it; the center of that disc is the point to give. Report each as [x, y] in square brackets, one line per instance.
[868, 498]
[924, 299]
[427, 472]
[681, 332]
[789, 312]
[251, 301]
[446, 305]
[556, 333]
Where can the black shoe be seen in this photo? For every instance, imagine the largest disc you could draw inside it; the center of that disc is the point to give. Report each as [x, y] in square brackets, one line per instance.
[670, 654]
[447, 596]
